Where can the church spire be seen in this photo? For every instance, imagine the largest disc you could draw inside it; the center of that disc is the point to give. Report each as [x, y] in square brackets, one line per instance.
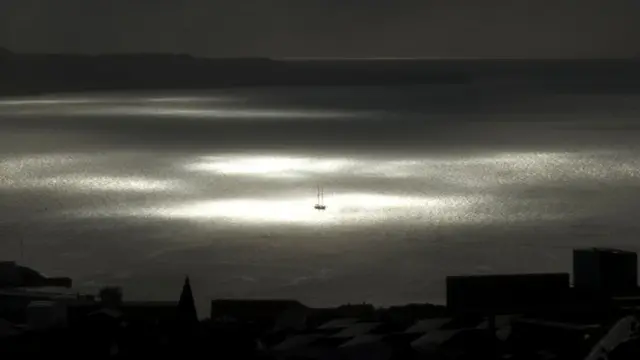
[187, 313]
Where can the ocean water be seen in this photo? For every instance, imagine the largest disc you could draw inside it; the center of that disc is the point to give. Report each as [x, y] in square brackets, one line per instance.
[140, 189]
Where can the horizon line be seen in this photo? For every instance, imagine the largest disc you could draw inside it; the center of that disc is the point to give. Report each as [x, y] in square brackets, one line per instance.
[319, 58]
[417, 58]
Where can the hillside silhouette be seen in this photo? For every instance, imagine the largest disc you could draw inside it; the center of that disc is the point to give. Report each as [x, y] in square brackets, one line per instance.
[34, 73]
[44, 73]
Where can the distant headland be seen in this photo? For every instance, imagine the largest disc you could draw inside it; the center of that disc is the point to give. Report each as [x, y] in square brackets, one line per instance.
[45, 73]
[40, 73]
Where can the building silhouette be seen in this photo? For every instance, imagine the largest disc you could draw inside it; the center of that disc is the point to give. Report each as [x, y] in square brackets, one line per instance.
[187, 313]
[513, 316]
[610, 271]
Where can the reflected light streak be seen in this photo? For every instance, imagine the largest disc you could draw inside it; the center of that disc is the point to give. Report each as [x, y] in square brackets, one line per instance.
[213, 113]
[348, 209]
[115, 100]
[28, 165]
[176, 111]
[109, 183]
[62, 171]
[480, 171]
[267, 166]
[189, 99]
[47, 102]
[92, 183]
[299, 167]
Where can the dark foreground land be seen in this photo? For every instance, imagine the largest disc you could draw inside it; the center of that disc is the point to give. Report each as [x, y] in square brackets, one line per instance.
[23, 74]
[518, 316]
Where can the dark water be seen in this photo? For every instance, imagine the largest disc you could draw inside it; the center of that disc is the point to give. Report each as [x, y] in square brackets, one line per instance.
[139, 189]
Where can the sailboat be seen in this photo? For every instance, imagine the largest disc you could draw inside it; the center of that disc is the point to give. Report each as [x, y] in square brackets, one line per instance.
[320, 204]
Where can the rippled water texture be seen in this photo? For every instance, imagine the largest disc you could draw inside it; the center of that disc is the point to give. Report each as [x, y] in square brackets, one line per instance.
[140, 189]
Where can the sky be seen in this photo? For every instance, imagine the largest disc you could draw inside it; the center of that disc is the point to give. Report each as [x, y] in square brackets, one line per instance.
[327, 28]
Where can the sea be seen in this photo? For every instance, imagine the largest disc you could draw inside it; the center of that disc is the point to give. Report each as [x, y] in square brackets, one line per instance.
[142, 188]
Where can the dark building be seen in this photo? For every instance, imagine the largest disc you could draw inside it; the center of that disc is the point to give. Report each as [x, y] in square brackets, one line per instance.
[609, 271]
[260, 313]
[496, 294]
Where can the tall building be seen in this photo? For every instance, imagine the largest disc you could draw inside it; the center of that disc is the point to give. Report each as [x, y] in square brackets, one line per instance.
[610, 271]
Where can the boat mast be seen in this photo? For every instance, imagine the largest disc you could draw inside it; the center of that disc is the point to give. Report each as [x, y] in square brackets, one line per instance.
[318, 194]
[322, 196]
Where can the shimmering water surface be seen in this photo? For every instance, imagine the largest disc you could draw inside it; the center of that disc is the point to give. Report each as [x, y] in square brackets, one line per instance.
[139, 189]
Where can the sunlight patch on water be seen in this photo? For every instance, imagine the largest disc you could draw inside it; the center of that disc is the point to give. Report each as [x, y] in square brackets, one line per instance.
[27, 165]
[267, 166]
[32, 102]
[345, 208]
[92, 183]
[68, 172]
[484, 171]
[111, 100]
[214, 113]
[187, 99]
[439, 190]
[174, 110]
[111, 183]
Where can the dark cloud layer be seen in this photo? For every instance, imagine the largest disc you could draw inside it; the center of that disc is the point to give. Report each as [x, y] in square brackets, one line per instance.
[444, 28]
